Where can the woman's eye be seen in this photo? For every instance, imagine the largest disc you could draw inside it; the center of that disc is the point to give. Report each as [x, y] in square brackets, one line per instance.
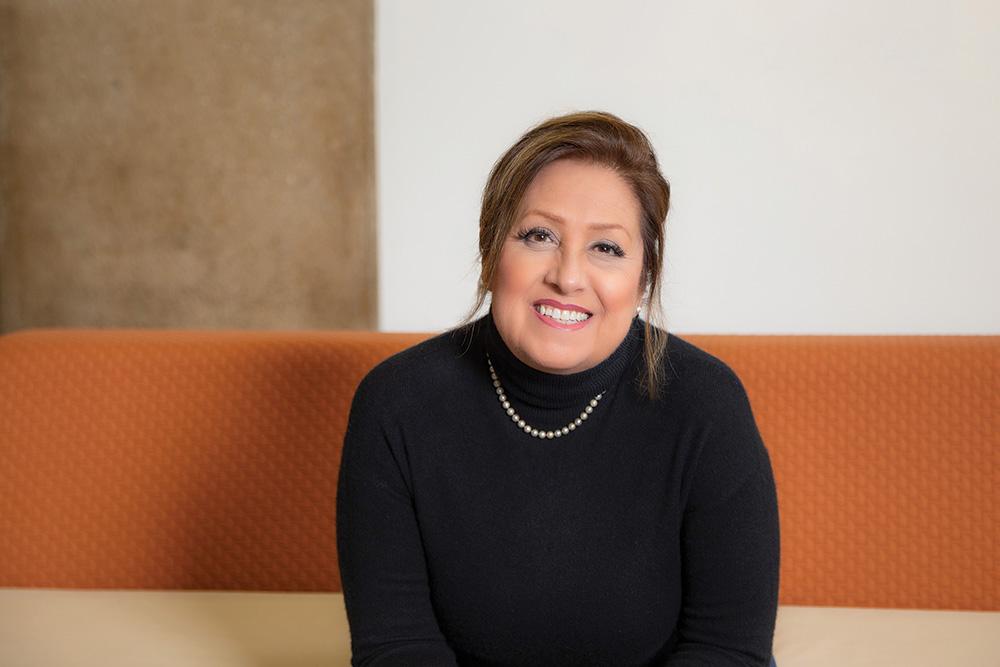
[535, 235]
[610, 249]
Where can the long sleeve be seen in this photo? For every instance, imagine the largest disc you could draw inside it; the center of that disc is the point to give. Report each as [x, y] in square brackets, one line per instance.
[382, 565]
[730, 543]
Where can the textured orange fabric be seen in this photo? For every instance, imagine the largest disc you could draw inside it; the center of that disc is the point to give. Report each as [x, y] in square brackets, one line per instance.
[886, 453]
[141, 459]
[175, 460]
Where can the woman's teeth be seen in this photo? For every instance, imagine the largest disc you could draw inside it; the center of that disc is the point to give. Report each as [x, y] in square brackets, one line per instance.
[562, 316]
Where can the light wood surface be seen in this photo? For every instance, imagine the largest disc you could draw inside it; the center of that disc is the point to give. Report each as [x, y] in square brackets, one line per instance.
[229, 629]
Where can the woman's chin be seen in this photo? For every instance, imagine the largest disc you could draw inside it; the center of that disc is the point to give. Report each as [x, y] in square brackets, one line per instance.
[558, 362]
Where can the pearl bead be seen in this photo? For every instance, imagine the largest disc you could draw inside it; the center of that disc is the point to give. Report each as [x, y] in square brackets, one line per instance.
[527, 428]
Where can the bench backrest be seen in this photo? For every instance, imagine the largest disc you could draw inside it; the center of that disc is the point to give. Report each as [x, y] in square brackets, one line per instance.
[208, 460]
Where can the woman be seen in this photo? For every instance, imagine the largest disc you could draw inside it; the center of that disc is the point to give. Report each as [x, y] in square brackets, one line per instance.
[560, 482]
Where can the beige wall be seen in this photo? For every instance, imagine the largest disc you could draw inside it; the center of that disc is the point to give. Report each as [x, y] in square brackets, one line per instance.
[186, 163]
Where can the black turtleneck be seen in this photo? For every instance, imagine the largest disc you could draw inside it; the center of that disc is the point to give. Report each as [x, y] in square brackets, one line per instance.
[647, 536]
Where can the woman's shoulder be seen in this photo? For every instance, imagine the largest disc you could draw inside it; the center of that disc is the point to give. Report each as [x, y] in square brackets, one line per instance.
[425, 365]
[692, 370]
[707, 392]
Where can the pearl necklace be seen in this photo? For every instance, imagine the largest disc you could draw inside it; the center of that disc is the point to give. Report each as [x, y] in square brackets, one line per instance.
[527, 428]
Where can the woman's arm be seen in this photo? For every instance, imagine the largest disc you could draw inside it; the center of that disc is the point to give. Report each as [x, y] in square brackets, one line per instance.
[730, 544]
[382, 565]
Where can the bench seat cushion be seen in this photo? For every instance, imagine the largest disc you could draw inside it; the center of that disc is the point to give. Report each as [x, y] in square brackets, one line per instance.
[76, 628]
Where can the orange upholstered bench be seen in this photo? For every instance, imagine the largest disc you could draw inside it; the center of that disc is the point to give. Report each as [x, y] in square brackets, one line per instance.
[137, 462]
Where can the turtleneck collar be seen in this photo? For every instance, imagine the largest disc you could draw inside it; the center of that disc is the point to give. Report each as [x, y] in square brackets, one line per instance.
[529, 386]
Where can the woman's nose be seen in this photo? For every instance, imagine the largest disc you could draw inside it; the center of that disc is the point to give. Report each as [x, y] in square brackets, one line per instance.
[566, 272]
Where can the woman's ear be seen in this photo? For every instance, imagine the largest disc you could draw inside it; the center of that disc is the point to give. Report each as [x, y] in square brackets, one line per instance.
[643, 282]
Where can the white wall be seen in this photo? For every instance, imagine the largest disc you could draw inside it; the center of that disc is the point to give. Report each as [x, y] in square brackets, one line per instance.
[835, 164]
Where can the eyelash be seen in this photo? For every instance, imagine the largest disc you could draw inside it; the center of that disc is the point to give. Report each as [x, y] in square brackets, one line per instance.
[605, 247]
[528, 233]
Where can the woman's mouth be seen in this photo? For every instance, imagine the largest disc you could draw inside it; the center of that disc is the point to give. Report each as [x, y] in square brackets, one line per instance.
[562, 315]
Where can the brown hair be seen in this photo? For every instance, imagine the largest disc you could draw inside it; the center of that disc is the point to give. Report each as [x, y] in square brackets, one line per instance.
[603, 139]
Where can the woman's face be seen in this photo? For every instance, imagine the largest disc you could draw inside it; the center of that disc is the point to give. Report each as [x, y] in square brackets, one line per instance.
[570, 274]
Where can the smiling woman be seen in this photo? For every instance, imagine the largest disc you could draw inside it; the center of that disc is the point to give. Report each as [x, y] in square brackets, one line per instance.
[598, 140]
[570, 279]
[559, 482]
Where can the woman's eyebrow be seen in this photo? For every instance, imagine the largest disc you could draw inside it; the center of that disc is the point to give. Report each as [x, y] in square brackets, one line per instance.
[597, 226]
[545, 214]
